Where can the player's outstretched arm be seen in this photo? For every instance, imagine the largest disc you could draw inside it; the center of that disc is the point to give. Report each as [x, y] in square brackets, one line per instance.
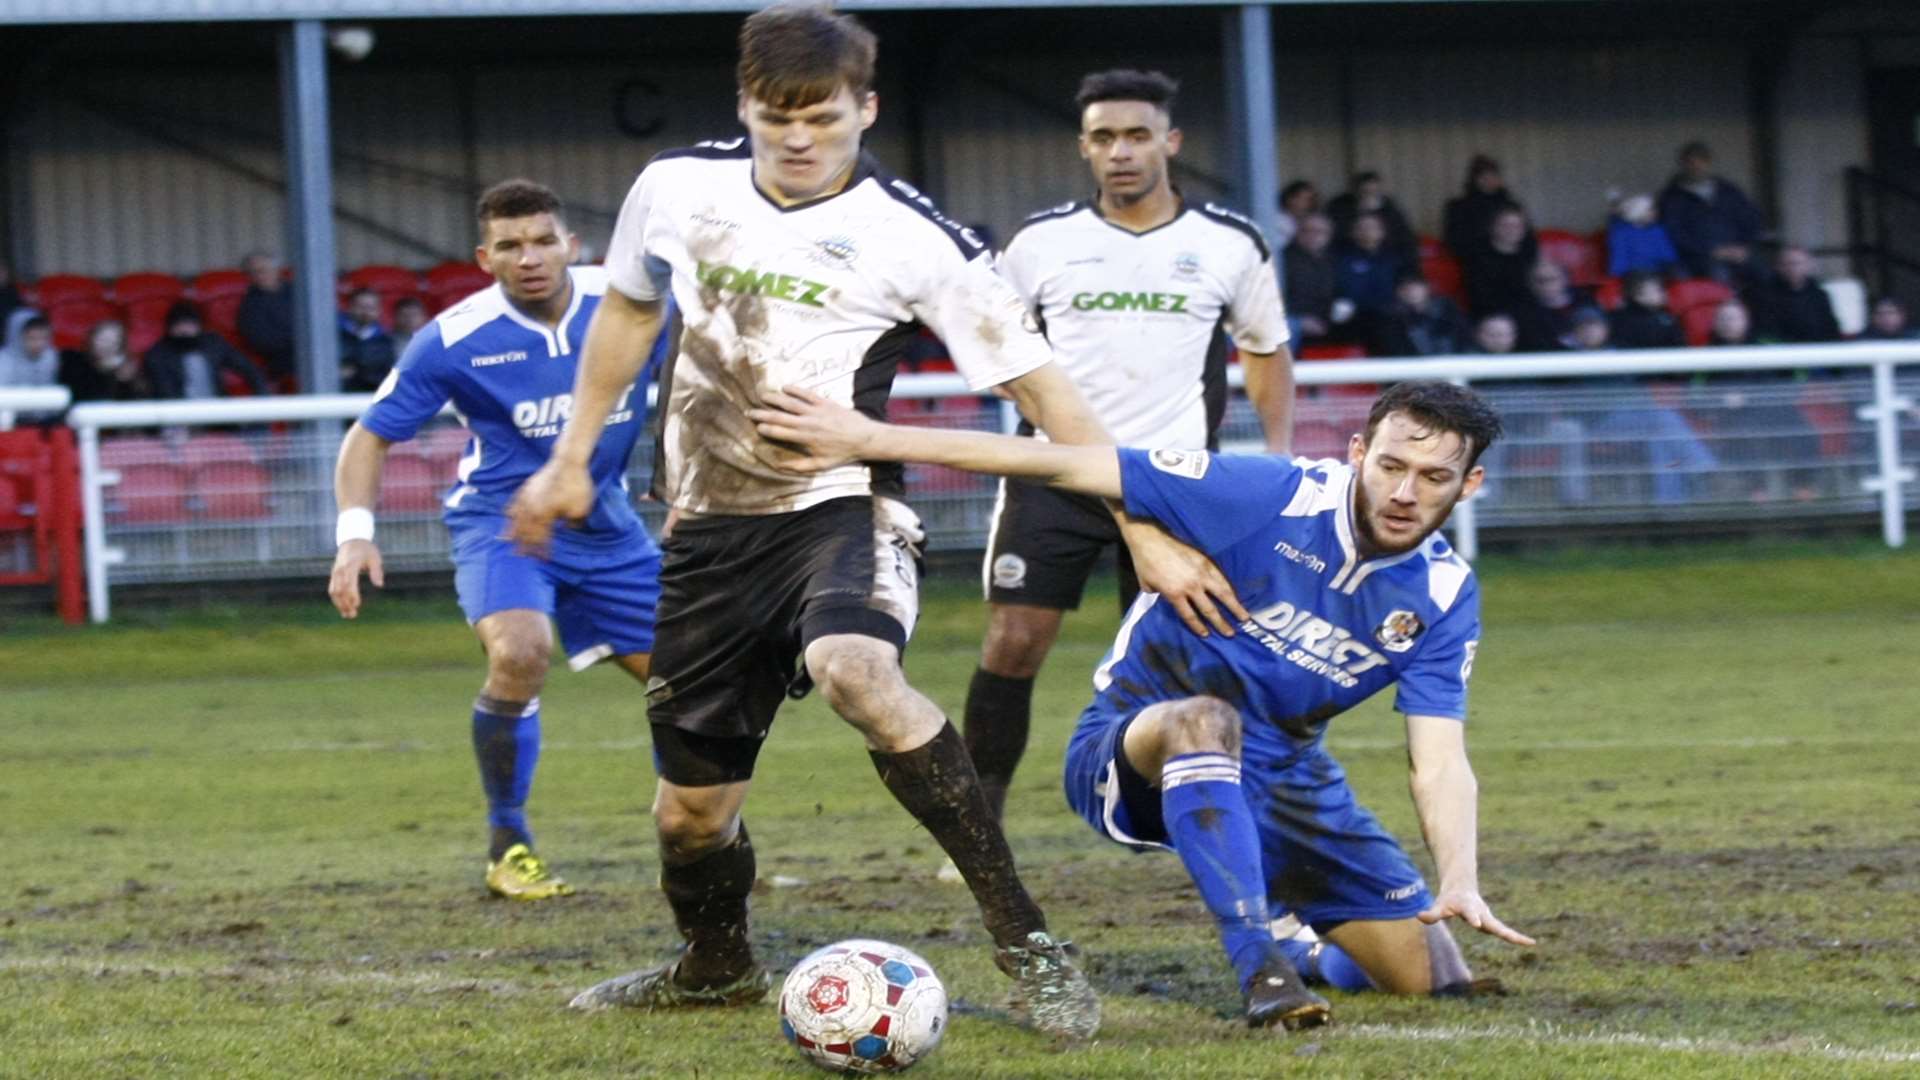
[833, 435]
[356, 488]
[619, 339]
[1446, 797]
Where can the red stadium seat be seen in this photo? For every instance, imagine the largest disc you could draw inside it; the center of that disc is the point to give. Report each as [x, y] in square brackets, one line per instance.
[1584, 260]
[72, 319]
[150, 494]
[411, 484]
[1443, 274]
[1696, 322]
[146, 323]
[128, 288]
[382, 279]
[220, 283]
[216, 448]
[1333, 352]
[1694, 292]
[136, 450]
[233, 490]
[222, 314]
[451, 282]
[55, 289]
[1607, 294]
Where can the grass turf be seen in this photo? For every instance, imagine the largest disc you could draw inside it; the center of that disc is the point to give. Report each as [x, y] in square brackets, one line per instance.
[248, 843]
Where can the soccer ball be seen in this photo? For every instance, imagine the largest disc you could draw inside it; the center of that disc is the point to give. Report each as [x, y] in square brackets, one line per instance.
[863, 1006]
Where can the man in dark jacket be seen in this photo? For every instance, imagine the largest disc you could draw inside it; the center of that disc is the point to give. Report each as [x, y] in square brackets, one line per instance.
[1792, 306]
[1417, 323]
[1309, 290]
[366, 349]
[265, 319]
[1712, 223]
[190, 362]
[1470, 214]
[1368, 195]
[1643, 321]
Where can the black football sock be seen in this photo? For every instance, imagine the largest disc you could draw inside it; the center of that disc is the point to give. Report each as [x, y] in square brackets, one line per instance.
[999, 712]
[709, 901]
[937, 785]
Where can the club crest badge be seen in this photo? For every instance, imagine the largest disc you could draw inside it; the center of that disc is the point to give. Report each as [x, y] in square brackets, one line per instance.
[1186, 266]
[1399, 630]
[1009, 571]
[1191, 464]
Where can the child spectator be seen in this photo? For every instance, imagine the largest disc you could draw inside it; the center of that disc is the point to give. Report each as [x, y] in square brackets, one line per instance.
[1888, 322]
[1417, 323]
[1644, 322]
[1637, 241]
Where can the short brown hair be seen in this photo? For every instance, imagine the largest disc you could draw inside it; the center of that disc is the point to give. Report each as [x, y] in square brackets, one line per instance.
[515, 199]
[796, 55]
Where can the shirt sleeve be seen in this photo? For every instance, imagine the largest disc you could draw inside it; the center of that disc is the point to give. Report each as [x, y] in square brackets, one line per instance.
[1018, 266]
[629, 268]
[988, 331]
[414, 391]
[1435, 682]
[1256, 316]
[1211, 501]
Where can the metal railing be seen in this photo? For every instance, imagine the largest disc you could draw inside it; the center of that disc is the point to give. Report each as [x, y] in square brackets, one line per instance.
[1665, 437]
[25, 403]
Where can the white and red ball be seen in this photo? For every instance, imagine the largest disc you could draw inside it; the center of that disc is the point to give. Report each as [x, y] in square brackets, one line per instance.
[863, 1006]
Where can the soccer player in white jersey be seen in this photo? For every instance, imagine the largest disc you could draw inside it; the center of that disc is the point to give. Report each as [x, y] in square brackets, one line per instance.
[1214, 747]
[504, 358]
[794, 258]
[1133, 289]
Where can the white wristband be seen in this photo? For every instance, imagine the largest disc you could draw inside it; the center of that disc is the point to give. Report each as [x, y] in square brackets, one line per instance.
[354, 523]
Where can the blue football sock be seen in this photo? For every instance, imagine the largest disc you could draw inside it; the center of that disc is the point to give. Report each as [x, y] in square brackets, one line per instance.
[1211, 827]
[506, 742]
[1323, 961]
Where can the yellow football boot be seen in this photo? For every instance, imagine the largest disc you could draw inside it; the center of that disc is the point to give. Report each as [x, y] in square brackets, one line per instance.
[522, 875]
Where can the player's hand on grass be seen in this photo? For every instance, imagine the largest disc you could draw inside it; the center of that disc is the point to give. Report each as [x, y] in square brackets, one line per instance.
[820, 434]
[1183, 576]
[1467, 906]
[557, 491]
[343, 587]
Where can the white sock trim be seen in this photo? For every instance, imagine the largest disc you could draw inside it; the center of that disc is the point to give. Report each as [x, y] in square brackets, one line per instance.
[1198, 768]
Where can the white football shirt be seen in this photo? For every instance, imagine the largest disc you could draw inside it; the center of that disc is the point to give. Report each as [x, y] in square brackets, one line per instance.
[824, 295]
[1133, 317]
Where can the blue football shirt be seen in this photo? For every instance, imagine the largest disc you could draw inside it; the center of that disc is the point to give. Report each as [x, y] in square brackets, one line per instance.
[510, 380]
[1328, 629]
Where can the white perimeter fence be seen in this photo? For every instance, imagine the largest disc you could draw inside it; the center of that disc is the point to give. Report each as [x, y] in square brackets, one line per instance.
[242, 488]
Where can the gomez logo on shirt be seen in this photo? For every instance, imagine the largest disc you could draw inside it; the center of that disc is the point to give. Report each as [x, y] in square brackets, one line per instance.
[1170, 303]
[750, 282]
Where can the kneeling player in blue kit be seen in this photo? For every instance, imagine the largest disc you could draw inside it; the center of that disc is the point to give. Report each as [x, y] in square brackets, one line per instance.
[505, 358]
[1213, 746]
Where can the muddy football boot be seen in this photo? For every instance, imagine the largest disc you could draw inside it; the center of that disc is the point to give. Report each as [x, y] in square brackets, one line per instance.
[522, 875]
[657, 988]
[1050, 992]
[1277, 995]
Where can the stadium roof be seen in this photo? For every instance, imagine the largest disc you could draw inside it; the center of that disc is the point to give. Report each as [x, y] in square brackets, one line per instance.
[21, 12]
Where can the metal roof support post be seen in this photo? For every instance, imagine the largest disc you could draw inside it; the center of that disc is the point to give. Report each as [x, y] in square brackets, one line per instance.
[1249, 56]
[304, 127]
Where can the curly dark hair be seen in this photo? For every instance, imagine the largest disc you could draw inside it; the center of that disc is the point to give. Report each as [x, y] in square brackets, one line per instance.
[515, 199]
[1440, 406]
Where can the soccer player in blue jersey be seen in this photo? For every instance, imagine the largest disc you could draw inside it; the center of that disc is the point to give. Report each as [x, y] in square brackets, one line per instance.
[505, 358]
[1213, 745]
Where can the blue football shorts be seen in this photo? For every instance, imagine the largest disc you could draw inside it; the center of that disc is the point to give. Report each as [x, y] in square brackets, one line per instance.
[601, 597]
[1326, 858]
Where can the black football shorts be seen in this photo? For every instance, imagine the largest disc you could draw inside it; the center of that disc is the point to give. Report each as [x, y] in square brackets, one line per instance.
[1044, 544]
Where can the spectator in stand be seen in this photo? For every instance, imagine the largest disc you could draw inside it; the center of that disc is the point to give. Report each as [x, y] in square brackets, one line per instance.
[1637, 241]
[1366, 268]
[1546, 320]
[1644, 322]
[28, 358]
[191, 363]
[1470, 214]
[366, 349]
[1792, 306]
[103, 371]
[1888, 322]
[1713, 225]
[265, 318]
[1495, 335]
[1590, 330]
[1417, 323]
[9, 292]
[1310, 281]
[1496, 267]
[1368, 195]
[409, 315]
[1299, 201]
[1758, 427]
